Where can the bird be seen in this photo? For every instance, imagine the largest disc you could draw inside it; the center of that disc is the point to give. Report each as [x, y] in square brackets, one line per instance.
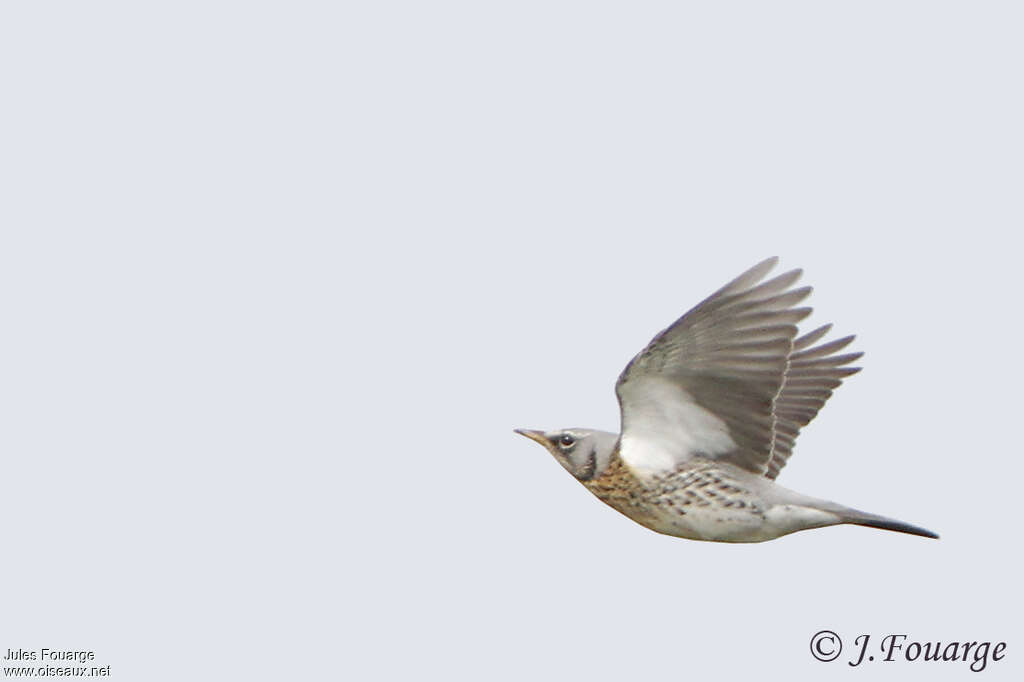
[710, 412]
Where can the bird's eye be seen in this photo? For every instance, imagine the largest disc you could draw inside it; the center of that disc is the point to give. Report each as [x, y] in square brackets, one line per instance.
[566, 441]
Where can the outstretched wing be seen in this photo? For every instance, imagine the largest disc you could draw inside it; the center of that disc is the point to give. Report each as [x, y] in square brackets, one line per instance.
[714, 383]
[813, 373]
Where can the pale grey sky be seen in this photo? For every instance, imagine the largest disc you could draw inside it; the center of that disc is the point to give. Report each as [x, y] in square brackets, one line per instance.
[279, 280]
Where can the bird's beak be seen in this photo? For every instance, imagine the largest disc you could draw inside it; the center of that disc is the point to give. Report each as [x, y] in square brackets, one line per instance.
[533, 435]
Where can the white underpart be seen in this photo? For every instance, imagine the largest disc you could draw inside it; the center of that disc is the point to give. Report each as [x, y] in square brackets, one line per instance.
[666, 427]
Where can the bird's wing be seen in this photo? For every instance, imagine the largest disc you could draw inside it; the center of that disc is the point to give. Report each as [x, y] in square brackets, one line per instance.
[707, 385]
[813, 373]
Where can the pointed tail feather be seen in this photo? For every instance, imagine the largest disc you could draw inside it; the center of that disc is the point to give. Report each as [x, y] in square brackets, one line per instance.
[859, 518]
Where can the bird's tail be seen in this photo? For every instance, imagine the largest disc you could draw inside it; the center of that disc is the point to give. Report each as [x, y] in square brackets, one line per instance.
[859, 518]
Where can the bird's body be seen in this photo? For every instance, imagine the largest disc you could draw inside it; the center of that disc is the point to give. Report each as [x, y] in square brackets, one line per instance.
[710, 411]
[718, 501]
[703, 500]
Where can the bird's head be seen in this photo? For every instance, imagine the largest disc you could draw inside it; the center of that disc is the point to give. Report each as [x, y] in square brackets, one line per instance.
[583, 452]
